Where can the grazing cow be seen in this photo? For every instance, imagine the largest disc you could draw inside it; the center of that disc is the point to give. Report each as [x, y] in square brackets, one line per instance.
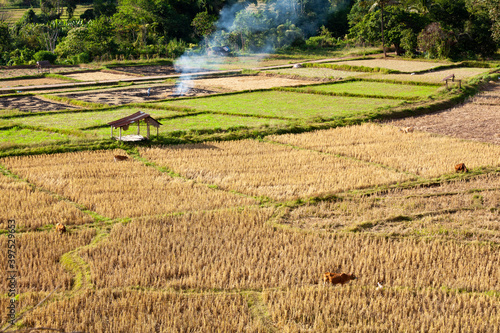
[406, 129]
[120, 158]
[60, 228]
[335, 278]
[461, 168]
[379, 286]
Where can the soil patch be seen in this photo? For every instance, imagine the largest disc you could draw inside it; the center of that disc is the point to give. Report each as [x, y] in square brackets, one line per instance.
[474, 120]
[126, 96]
[6, 72]
[99, 76]
[32, 104]
[30, 82]
[238, 83]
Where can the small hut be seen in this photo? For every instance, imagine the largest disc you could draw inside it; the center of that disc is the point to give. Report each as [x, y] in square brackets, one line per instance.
[137, 117]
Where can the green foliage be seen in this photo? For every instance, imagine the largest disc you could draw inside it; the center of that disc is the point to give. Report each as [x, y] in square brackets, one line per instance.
[435, 42]
[204, 24]
[409, 42]
[45, 55]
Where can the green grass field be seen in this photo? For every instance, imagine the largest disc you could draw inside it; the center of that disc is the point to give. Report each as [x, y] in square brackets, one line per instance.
[195, 123]
[375, 89]
[285, 105]
[80, 120]
[22, 136]
[316, 72]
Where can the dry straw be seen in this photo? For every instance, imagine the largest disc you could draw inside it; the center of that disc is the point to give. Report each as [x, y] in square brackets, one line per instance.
[358, 309]
[423, 154]
[37, 258]
[266, 169]
[233, 249]
[137, 311]
[118, 189]
[31, 208]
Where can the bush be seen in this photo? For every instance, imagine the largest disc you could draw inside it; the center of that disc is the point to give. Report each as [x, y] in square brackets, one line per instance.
[45, 55]
[83, 58]
[175, 48]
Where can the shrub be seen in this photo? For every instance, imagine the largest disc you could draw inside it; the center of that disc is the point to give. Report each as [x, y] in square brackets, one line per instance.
[45, 55]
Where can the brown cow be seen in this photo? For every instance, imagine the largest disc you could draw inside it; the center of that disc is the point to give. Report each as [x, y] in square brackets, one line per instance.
[60, 228]
[120, 158]
[461, 168]
[335, 278]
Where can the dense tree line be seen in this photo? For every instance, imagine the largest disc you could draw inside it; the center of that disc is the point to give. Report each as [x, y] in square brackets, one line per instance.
[145, 28]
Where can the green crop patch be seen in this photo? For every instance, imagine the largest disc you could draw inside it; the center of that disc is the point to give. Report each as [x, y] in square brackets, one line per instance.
[316, 72]
[285, 105]
[82, 120]
[202, 122]
[381, 89]
[16, 136]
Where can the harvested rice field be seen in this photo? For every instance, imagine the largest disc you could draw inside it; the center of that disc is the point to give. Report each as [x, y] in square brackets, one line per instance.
[96, 181]
[229, 218]
[98, 76]
[266, 169]
[477, 119]
[253, 82]
[433, 76]
[32, 104]
[462, 209]
[9, 72]
[132, 95]
[29, 82]
[418, 153]
[399, 65]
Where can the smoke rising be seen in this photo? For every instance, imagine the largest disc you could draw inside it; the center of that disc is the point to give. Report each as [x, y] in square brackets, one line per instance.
[258, 29]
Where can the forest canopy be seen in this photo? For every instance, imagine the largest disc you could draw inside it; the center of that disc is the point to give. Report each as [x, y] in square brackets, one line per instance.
[166, 28]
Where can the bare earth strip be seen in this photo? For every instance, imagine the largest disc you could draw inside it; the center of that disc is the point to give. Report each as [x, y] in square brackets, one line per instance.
[30, 82]
[98, 76]
[477, 120]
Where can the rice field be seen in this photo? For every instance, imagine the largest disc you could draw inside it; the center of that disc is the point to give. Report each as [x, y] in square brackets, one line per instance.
[388, 90]
[33, 208]
[464, 210]
[234, 236]
[37, 259]
[266, 169]
[195, 123]
[399, 65]
[464, 73]
[419, 153]
[23, 136]
[111, 189]
[82, 120]
[286, 105]
[147, 311]
[235, 250]
[314, 72]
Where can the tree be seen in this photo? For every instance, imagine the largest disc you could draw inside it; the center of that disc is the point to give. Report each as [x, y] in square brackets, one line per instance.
[204, 24]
